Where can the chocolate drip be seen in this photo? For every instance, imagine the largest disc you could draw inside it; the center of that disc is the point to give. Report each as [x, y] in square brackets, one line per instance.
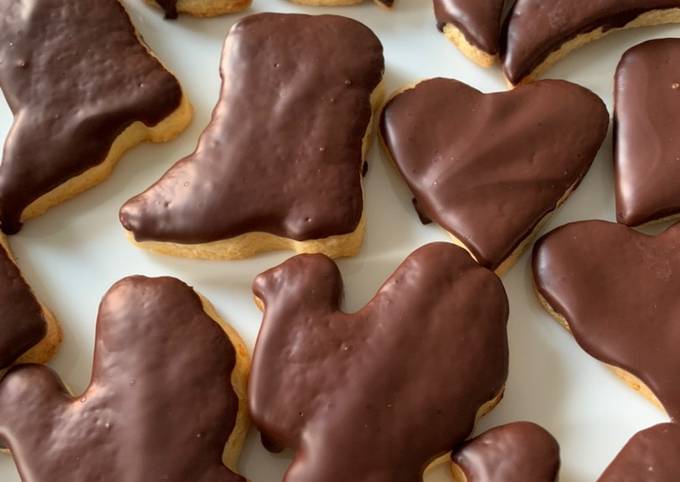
[479, 20]
[618, 291]
[377, 394]
[170, 8]
[650, 456]
[160, 405]
[517, 452]
[647, 141]
[489, 167]
[22, 324]
[536, 28]
[283, 152]
[75, 76]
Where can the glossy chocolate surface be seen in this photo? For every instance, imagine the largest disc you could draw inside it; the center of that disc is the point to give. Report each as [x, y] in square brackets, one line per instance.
[377, 394]
[650, 456]
[75, 75]
[647, 142]
[283, 152]
[536, 28]
[618, 291]
[160, 406]
[489, 167]
[516, 452]
[479, 20]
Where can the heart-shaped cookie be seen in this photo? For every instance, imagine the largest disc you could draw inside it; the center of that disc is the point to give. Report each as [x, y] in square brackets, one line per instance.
[647, 141]
[474, 26]
[541, 32]
[489, 168]
[378, 394]
[650, 456]
[617, 292]
[516, 452]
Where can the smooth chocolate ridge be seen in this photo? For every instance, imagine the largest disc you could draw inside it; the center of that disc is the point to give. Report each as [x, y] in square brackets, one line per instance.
[479, 20]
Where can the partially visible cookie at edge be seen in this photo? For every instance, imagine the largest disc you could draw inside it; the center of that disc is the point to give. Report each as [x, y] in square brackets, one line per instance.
[280, 164]
[647, 134]
[166, 400]
[516, 452]
[541, 32]
[650, 456]
[84, 89]
[474, 26]
[200, 8]
[29, 333]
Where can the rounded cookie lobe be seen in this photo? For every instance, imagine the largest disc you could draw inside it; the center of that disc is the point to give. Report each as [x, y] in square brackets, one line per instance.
[516, 452]
[650, 456]
[647, 142]
[160, 406]
[75, 76]
[283, 152]
[489, 167]
[22, 322]
[616, 289]
[479, 20]
[377, 394]
[537, 28]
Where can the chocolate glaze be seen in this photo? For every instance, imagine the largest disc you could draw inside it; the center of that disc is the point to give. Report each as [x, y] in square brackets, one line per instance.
[479, 20]
[488, 168]
[22, 324]
[516, 452]
[618, 290]
[160, 406]
[75, 76]
[647, 140]
[283, 152]
[170, 8]
[650, 456]
[377, 394]
[536, 28]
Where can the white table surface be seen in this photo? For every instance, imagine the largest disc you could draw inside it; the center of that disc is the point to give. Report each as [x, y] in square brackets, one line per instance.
[75, 252]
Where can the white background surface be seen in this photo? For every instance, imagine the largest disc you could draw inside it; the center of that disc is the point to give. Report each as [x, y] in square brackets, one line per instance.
[74, 253]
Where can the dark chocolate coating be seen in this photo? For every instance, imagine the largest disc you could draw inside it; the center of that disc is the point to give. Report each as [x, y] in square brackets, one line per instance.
[618, 291]
[160, 406]
[75, 75]
[377, 394]
[650, 456]
[516, 452]
[536, 28]
[479, 20]
[22, 324]
[489, 167]
[283, 152]
[647, 141]
[170, 8]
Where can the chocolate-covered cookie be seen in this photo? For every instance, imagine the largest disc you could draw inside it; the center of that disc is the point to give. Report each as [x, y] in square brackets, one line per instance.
[650, 456]
[165, 401]
[377, 394]
[647, 138]
[516, 452]
[616, 290]
[541, 32]
[200, 8]
[29, 333]
[474, 26]
[489, 168]
[280, 165]
[83, 89]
